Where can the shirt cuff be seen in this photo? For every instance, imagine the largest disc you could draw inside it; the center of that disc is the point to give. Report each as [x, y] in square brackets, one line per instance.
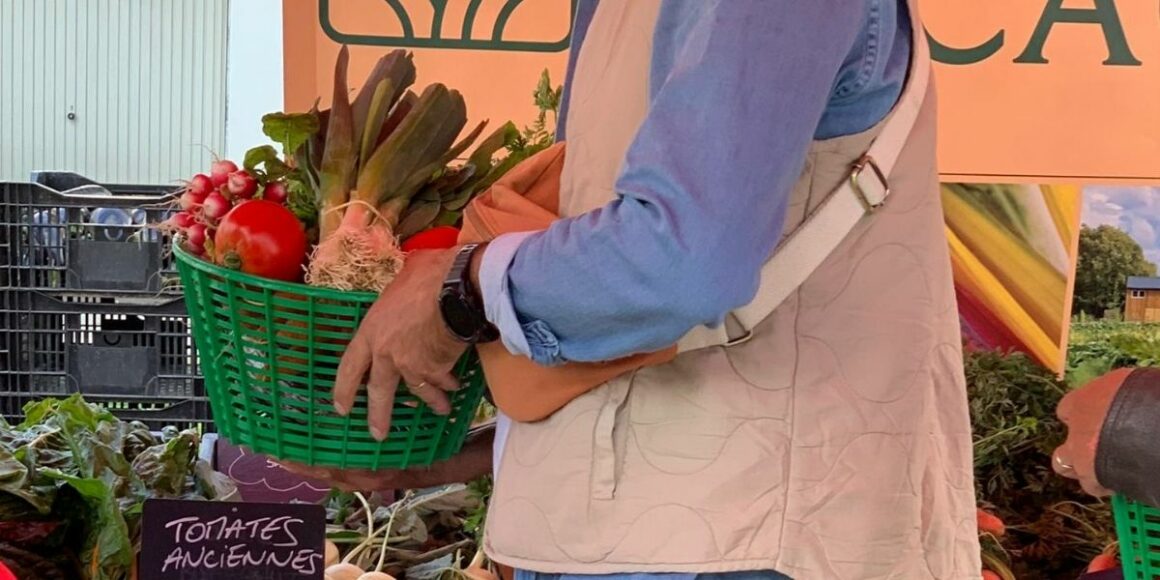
[533, 340]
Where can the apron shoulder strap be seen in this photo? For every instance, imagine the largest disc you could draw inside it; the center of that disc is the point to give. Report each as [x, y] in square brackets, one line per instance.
[866, 189]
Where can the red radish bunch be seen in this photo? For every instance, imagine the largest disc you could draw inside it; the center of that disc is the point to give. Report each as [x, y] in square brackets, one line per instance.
[219, 172]
[242, 185]
[215, 207]
[276, 192]
[194, 239]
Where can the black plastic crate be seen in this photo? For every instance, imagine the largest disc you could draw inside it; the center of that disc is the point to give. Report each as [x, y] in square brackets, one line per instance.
[62, 232]
[135, 355]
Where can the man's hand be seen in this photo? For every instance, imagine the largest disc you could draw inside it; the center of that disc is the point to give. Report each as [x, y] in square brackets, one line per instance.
[403, 337]
[1084, 411]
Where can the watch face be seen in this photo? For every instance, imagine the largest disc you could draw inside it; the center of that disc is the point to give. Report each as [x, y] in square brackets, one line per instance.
[458, 315]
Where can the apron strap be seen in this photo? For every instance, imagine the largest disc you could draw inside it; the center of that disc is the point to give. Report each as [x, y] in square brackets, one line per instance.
[864, 191]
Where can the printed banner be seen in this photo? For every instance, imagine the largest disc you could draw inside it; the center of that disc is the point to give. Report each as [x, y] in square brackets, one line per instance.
[1034, 91]
[1037, 91]
[1013, 251]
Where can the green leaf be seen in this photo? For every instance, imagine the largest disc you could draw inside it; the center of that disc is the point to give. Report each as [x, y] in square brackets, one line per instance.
[339, 158]
[448, 218]
[501, 138]
[163, 468]
[464, 143]
[15, 479]
[290, 130]
[107, 541]
[419, 217]
[267, 158]
[376, 116]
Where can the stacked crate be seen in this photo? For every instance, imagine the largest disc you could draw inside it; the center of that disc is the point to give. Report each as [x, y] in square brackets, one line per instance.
[90, 302]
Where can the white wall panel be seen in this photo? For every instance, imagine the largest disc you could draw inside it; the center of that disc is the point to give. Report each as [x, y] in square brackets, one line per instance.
[145, 79]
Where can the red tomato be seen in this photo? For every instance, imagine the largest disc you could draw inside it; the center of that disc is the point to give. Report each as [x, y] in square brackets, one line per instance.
[439, 238]
[989, 575]
[262, 238]
[5, 573]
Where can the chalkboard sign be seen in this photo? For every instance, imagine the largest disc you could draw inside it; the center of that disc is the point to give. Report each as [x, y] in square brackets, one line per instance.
[201, 540]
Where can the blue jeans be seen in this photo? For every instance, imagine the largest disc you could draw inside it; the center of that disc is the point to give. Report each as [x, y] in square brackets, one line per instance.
[770, 575]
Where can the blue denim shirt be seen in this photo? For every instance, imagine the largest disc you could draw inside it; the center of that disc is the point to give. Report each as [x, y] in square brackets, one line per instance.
[739, 89]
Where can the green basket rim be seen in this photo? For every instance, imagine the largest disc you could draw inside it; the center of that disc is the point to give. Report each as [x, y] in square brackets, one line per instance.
[298, 288]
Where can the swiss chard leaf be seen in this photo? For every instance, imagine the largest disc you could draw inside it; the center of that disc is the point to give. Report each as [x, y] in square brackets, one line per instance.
[163, 468]
[107, 551]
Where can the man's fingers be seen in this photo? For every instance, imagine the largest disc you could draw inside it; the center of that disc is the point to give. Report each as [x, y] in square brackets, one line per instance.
[381, 388]
[430, 394]
[351, 371]
[444, 381]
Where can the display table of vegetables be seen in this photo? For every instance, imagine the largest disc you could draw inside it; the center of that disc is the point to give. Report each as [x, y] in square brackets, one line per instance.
[73, 479]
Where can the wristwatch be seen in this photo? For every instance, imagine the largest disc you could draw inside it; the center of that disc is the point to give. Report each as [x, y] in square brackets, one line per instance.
[461, 305]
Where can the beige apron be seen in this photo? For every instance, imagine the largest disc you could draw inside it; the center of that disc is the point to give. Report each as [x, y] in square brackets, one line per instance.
[833, 443]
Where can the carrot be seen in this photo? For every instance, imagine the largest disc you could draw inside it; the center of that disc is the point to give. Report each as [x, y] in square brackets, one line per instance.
[990, 524]
[1102, 562]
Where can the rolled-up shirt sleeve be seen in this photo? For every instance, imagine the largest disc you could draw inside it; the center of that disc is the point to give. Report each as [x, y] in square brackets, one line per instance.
[702, 192]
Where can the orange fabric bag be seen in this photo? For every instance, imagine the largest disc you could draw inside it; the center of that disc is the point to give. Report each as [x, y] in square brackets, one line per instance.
[527, 199]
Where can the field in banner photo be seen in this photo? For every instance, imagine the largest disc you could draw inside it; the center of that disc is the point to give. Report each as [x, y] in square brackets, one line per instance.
[1013, 248]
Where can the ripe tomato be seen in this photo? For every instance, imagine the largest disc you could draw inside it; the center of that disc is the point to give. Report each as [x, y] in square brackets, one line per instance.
[262, 238]
[439, 238]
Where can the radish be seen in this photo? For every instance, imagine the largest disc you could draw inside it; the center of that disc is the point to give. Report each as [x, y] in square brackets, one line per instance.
[189, 201]
[180, 221]
[242, 185]
[331, 554]
[276, 192]
[199, 186]
[215, 207]
[219, 172]
[344, 572]
[195, 238]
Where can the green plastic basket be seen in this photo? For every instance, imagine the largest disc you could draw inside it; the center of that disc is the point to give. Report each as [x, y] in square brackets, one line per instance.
[270, 351]
[1138, 528]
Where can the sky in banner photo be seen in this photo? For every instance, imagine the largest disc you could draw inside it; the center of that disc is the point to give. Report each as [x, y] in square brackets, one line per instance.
[1136, 210]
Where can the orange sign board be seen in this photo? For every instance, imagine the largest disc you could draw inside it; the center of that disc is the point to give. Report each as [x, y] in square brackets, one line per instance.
[1050, 91]
[1031, 91]
[497, 84]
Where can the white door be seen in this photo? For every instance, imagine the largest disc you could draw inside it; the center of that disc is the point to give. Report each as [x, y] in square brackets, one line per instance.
[120, 91]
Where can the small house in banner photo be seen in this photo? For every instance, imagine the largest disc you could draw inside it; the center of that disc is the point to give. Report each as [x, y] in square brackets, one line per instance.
[1142, 304]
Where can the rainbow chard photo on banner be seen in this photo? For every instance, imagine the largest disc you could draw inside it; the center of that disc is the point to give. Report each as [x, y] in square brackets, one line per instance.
[1013, 250]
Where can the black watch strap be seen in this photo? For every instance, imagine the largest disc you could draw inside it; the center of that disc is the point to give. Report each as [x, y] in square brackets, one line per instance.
[458, 282]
